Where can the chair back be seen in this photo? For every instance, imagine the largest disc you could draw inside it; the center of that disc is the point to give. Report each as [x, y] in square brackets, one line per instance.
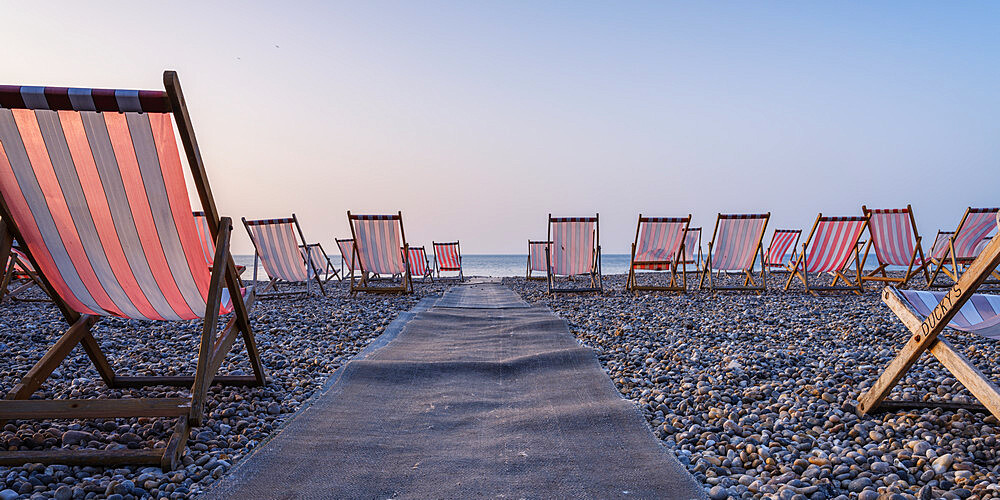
[781, 241]
[418, 261]
[346, 247]
[832, 243]
[977, 224]
[573, 249]
[736, 241]
[317, 256]
[278, 248]
[536, 254]
[377, 240]
[448, 256]
[658, 241]
[893, 235]
[692, 243]
[940, 246]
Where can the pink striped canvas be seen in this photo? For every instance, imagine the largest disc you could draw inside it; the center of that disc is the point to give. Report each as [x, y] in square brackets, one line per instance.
[377, 242]
[346, 247]
[892, 235]
[941, 244]
[982, 245]
[447, 256]
[418, 262]
[978, 224]
[536, 255]
[692, 240]
[659, 242]
[205, 238]
[573, 248]
[318, 259]
[23, 266]
[781, 242]
[832, 243]
[278, 249]
[736, 241]
[980, 315]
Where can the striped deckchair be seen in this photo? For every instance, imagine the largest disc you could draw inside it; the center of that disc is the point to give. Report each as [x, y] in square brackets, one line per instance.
[207, 243]
[420, 265]
[575, 251]
[736, 241]
[897, 243]
[976, 225]
[926, 314]
[828, 249]
[691, 253]
[20, 268]
[346, 247]
[277, 248]
[659, 246]
[940, 246]
[448, 258]
[92, 185]
[320, 261]
[781, 241]
[536, 259]
[377, 240]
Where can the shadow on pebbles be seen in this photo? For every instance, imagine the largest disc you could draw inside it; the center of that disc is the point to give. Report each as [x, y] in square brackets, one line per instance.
[755, 393]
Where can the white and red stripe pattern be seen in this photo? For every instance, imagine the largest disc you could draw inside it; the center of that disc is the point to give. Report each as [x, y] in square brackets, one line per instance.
[347, 253]
[659, 241]
[278, 248]
[205, 237]
[23, 266]
[832, 243]
[418, 262]
[736, 241]
[314, 252]
[573, 248]
[978, 224]
[692, 240]
[781, 241]
[982, 245]
[80, 99]
[378, 240]
[940, 246]
[448, 256]
[980, 315]
[892, 235]
[536, 254]
[101, 202]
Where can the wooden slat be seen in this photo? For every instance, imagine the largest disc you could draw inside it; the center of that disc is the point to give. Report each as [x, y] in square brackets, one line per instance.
[82, 457]
[34, 409]
[974, 380]
[182, 380]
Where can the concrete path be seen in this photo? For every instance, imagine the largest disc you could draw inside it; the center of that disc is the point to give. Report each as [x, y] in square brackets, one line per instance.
[477, 396]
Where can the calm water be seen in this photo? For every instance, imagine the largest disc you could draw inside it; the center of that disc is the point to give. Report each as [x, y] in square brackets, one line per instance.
[498, 265]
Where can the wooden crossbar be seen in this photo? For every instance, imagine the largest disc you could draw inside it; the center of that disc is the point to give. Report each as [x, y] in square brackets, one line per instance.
[82, 457]
[36, 409]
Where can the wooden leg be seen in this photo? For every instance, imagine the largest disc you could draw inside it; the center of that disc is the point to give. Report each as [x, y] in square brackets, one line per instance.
[96, 355]
[202, 377]
[175, 446]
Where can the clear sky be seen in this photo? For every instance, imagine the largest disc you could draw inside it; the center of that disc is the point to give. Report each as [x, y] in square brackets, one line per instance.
[477, 119]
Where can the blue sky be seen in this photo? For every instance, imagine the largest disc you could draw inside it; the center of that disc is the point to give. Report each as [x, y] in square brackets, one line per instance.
[476, 119]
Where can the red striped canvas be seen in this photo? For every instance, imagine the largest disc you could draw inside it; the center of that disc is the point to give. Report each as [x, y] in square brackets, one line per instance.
[418, 261]
[692, 240]
[892, 236]
[940, 246]
[979, 315]
[659, 241]
[573, 247]
[982, 245]
[536, 255]
[781, 242]
[205, 238]
[378, 243]
[833, 243]
[314, 253]
[979, 223]
[101, 203]
[347, 253]
[23, 266]
[737, 238]
[278, 249]
[447, 256]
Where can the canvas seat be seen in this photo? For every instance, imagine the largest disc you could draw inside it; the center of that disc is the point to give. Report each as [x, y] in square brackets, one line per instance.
[781, 241]
[896, 242]
[448, 258]
[736, 241]
[377, 243]
[962, 248]
[575, 251]
[277, 246]
[536, 259]
[420, 265]
[659, 247]
[320, 261]
[831, 244]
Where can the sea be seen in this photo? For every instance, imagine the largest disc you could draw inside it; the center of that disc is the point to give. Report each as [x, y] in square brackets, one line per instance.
[498, 265]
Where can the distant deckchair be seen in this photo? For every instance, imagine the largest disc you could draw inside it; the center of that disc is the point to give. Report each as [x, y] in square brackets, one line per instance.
[897, 243]
[207, 243]
[976, 225]
[575, 251]
[91, 183]
[736, 241]
[691, 253]
[420, 265]
[320, 261]
[448, 258]
[20, 268]
[377, 240]
[277, 247]
[659, 246]
[347, 258]
[781, 241]
[830, 245]
[926, 314]
[536, 259]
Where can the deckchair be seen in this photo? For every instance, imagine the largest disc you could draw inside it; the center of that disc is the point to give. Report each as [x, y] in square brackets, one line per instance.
[976, 224]
[320, 261]
[736, 241]
[536, 259]
[377, 240]
[659, 246]
[828, 248]
[91, 183]
[346, 247]
[575, 251]
[897, 243]
[278, 250]
[781, 241]
[691, 253]
[20, 268]
[448, 258]
[926, 314]
[207, 243]
[420, 265]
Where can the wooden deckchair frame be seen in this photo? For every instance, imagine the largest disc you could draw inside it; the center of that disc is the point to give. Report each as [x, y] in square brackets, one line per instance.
[596, 279]
[783, 268]
[343, 258]
[749, 284]
[330, 270]
[461, 276]
[958, 264]
[856, 286]
[527, 274]
[926, 336]
[272, 281]
[30, 279]
[427, 264]
[365, 283]
[211, 353]
[918, 252]
[675, 285]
